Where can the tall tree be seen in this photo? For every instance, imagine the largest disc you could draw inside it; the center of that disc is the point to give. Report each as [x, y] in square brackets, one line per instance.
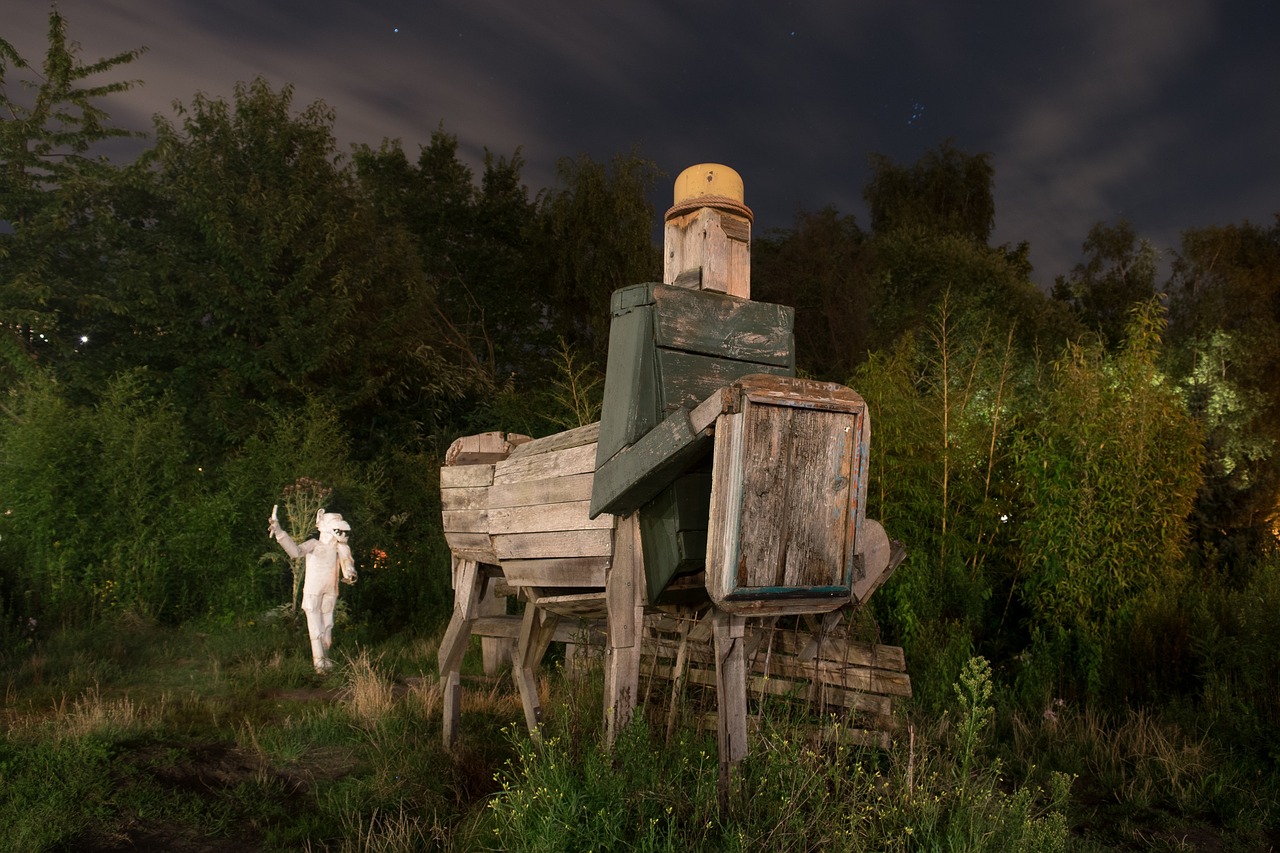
[946, 191]
[264, 275]
[1225, 324]
[56, 218]
[822, 267]
[1118, 274]
[598, 226]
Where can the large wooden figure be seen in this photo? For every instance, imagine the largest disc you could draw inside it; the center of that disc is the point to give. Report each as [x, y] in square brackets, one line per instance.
[712, 467]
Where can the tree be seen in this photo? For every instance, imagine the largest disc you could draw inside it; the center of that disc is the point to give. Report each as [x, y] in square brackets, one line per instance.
[263, 276]
[56, 217]
[1225, 325]
[1118, 273]
[822, 267]
[598, 227]
[944, 192]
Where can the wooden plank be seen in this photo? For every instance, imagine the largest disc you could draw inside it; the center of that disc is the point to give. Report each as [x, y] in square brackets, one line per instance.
[566, 543]
[726, 504]
[586, 434]
[583, 605]
[636, 474]
[576, 487]
[700, 321]
[705, 676]
[688, 379]
[462, 541]
[494, 652]
[465, 476]
[797, 516]
[465, 521]
[467, 586]
[566, 631]
[839, 650]
[482, 448]
[719, 402]
[624, 598]
[473, 498]
[849, 677]
[544, 466]
[565, 571]
[802, 393]
[630, 404]
[479, 555]
[546, 517]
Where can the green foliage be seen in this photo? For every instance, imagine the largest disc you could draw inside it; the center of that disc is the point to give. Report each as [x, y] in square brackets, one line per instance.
[795, 791]
[1109, 464]
[945, 191]
[1119, 273]
[53, 192]
[597, 226]
[125, 529]
[823, 267]
[1225, 333]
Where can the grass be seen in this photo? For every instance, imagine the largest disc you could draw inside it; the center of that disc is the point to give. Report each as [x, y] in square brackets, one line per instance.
[221, 737]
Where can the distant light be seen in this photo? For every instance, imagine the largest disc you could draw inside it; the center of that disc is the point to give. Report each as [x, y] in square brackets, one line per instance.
[395, 29]
[84, 339]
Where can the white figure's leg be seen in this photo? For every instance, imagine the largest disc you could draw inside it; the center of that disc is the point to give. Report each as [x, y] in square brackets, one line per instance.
[313, 606]
[327, 606]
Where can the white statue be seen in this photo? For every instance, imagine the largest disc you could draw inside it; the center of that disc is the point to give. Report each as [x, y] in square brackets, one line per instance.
[326, 558]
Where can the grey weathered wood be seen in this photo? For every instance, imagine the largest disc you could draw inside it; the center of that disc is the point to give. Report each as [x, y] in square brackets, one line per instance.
[559, 571]
[468, 587]
[542, 466]
[465, 520]
[716, 241]
[623, 597]
[576, 487]
[563, 543]
[495, 652]
[536, 629]
[586, 434]
[476, 497]
[465, 476]
[566, 515]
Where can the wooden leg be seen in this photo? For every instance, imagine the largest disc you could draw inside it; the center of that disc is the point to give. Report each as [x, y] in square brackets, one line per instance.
[731, 694]
[536, 629]
[467, 588]
[677, 679]
[624, 597]
[495, 651]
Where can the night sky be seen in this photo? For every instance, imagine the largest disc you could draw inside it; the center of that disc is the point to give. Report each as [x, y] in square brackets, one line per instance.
[1162, 112]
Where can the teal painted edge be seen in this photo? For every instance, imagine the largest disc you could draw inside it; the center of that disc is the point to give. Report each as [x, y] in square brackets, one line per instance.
[743, 593]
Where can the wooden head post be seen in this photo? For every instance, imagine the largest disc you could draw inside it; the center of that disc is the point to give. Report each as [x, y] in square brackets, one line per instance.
[707, 239]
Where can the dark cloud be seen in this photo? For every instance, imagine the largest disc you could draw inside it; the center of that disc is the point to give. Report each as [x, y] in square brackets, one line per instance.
[1159, 111]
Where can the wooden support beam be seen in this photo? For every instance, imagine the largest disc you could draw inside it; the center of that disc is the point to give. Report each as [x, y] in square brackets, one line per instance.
[495, 652]
[624, 591]
[731, 684]
[731, 695]
[536, 631]
[468, 585]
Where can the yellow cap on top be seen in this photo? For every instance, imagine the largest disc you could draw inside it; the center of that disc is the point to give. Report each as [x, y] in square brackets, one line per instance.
[709, 185]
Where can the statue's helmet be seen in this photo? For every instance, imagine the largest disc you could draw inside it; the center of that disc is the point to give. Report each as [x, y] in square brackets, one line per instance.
[332, 526]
